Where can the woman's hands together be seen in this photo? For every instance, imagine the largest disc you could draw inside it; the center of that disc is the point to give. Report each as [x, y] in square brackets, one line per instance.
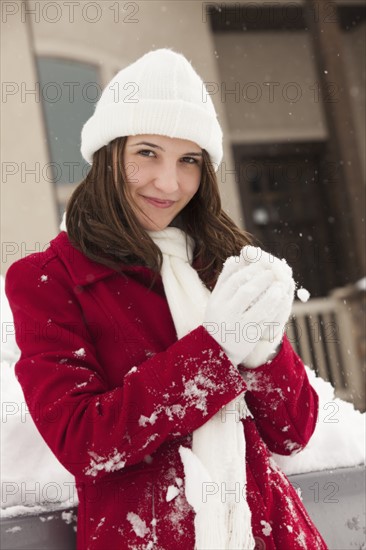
[250, 305]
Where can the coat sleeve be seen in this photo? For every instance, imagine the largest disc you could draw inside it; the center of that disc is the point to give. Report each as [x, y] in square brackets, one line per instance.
[282, 401]
[90, 428]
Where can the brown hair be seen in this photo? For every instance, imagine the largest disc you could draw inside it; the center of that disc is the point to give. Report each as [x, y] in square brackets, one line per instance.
[101, 222]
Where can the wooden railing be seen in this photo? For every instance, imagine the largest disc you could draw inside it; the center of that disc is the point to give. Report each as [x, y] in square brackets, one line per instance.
[323, 332]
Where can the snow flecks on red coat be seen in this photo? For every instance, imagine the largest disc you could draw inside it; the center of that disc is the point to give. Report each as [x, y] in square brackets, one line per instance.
[114, 394]
[111, 463]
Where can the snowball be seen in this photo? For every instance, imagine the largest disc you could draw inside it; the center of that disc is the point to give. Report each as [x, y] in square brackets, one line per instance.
[303, 294]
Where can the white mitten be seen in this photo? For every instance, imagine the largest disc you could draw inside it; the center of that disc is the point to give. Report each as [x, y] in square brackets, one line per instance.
[245, 296]
[270, 339]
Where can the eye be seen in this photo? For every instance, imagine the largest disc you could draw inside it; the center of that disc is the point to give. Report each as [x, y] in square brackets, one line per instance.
[195, 161]
[145, 151]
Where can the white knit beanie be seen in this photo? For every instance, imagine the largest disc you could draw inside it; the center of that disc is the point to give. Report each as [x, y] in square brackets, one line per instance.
[160, 93]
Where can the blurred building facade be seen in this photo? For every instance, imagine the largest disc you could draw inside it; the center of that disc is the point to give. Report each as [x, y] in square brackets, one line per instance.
[288, 82]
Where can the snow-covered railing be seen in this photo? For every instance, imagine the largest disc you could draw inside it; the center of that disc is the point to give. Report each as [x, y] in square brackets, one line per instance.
[323, 333]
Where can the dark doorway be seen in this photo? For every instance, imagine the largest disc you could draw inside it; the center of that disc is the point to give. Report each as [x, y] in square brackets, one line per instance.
[285, 205]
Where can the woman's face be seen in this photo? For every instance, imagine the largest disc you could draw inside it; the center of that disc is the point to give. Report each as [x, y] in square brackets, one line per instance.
[163, 174]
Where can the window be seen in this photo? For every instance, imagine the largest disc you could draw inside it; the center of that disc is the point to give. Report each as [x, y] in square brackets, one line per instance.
[68, 90]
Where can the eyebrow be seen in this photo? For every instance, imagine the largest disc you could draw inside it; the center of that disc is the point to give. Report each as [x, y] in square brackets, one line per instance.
[194, 154]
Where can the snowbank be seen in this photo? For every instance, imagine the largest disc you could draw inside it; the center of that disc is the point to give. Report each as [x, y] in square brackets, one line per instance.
[32, 476]
[339, 437]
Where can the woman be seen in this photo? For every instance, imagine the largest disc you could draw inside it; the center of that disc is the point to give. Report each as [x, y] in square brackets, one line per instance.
[154, 360]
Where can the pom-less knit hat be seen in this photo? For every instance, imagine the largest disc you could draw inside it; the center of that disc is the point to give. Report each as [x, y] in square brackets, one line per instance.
[160, 93]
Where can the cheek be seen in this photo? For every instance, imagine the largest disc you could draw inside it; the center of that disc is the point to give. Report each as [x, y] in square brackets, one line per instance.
[136, 174]
[194, 186]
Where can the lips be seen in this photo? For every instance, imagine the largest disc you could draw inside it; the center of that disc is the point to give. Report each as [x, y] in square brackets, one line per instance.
[158, 202]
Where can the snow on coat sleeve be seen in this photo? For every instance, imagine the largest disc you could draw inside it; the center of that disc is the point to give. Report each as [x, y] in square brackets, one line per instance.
[91, 428]
[283, 403]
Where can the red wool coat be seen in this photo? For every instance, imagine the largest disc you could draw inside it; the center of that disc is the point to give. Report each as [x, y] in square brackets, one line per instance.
[114, 394]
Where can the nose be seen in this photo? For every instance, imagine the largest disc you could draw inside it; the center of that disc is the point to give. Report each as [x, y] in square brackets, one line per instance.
[166, 179]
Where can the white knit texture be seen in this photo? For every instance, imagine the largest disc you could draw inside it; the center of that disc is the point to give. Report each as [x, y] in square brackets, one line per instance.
[160, 93]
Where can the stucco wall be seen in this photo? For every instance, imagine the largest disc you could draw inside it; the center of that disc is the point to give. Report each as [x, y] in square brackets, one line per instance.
[116, 38]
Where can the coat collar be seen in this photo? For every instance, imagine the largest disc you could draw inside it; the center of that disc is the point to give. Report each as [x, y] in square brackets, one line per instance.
[83, 270]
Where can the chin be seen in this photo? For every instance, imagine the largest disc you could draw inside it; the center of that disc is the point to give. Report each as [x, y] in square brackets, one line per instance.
[158, 227]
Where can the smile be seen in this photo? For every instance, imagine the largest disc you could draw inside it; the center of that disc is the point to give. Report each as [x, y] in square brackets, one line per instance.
[158, 203]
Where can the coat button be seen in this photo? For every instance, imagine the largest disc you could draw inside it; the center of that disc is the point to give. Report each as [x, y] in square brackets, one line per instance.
[259, 544]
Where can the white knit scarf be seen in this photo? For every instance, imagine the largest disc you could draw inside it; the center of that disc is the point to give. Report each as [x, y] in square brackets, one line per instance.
[215, 470]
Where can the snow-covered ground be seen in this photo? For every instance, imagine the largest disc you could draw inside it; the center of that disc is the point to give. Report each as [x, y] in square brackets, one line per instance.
[32, 477]
[30, 473]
